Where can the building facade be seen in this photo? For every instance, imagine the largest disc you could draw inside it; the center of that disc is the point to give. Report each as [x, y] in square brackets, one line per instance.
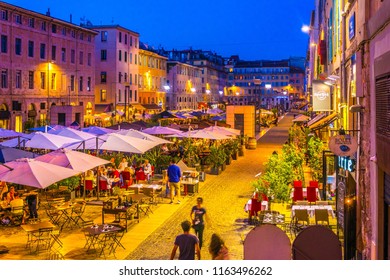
[264, 83]
[116, 73]
[152, 81]
[44, 62]
[349, 50]
[184, 83]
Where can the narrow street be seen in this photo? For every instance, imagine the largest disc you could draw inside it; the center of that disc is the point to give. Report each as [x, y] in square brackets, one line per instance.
[224, 198]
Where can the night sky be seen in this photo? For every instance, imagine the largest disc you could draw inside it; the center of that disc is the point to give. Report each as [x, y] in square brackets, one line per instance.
[252, 29]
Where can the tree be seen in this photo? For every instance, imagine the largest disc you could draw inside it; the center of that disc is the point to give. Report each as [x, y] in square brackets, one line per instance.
[315, 147]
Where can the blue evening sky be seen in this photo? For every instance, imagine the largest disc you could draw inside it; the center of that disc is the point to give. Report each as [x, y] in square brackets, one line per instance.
[252, 29]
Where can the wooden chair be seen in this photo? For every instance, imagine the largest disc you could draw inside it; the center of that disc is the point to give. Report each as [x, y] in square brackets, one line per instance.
[300, 220]
[312, 191]
[89, 187]
[321, 216]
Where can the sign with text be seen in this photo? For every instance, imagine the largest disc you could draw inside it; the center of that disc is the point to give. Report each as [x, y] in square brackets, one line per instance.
[347, 163]
[321, 96]
[351, 27]
[343, 145]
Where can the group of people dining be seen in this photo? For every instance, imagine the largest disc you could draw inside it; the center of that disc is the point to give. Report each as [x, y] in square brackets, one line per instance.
[112, 175]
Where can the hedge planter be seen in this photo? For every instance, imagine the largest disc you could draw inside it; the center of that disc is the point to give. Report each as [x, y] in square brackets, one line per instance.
[235, 156]
[215, 170]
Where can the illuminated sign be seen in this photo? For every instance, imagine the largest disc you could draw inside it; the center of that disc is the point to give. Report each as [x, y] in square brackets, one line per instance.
[343, 145]
[347, 163]
[351, 27]
[321, 96]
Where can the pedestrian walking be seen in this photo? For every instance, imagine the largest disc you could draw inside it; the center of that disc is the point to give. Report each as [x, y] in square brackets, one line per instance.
[218, 249]
[187, 243]
[198, 214]
[174, 177]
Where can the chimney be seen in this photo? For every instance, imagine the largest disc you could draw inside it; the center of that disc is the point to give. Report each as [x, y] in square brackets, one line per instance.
[70, 18]
[48, 12]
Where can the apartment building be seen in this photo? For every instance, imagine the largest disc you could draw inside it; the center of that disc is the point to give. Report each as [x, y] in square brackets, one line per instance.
[152, 81]
[116, 73]
[184, 83]
[47, 69]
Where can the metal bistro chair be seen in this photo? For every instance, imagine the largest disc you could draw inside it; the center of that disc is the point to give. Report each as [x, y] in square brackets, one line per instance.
[17, 211]
[77, 213]
[300, 220]
[321, 217]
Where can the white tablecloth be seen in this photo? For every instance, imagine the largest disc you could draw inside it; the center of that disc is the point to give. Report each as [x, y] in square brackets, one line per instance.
[311, 208]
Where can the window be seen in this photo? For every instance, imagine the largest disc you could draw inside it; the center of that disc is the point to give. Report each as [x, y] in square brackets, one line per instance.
[18, 46]
[81, 59]
[120, 77]
[73, 34]
[89, 58]
[72, 56]
[53, 81]
[130, 58]
[4, 78]
[42, 51]
[131, 40]
[31, 79]
[3, 15]
[89, 38]
[18, 18]
[81, 84]
[18, 79]
[135, 58]
[30, 48]
[72, 82]
[125, 39]
[120, 37]
[104, 36]
[103, 95]
[135, 43]
[103, 77]
[43, 80]
[81, 36]
[125, 77]
[125, 56]
[89, 83]
[31, 22]
[43, 25]
[54, 28]
[120, 55]
[63, 31]
[63, 55]
[4, 44]
[53, 52]
[103, 55]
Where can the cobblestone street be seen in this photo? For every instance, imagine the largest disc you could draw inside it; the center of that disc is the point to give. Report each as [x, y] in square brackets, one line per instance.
[224, 198]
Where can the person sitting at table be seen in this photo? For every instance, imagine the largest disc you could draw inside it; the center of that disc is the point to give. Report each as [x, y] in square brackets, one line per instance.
[123, 164]
[139, 173]
[147, 169]
[11, 195]
[164, 149]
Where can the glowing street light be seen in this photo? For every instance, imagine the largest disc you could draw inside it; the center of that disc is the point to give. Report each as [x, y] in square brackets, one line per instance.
[305, 28]
[193, 90]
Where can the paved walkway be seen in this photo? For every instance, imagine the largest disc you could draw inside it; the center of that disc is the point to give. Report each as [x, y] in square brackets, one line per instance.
[224, 198]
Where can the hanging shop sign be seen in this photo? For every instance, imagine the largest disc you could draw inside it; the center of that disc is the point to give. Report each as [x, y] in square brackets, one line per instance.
[321, 96]
[343, 145]
[347, 163]
[351, 27]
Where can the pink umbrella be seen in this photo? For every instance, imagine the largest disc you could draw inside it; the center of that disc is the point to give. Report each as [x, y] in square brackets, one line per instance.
[73, 133]
[202, 134]
[72, 159]
[162, 130]
[30, 172]
[48, 141]
[142, 135]
[222, 130]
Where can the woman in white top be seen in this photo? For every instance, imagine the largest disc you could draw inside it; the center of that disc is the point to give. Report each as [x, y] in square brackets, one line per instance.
[123, 164]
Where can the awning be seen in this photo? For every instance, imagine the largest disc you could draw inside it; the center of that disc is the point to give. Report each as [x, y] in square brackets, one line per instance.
[151, 106]
[138, 106]
[316, 119]
[102, 108]
[324, 121]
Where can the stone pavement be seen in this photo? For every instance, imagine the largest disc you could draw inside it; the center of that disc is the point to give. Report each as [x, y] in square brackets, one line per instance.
[224, 198]
[152, 239]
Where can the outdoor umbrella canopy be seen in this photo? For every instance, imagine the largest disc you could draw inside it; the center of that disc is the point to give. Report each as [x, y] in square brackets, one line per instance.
[301, 118]
[165, 115]
[202, 134]
[33, 173]
[143, 135]
[96, 130]
[9, 154]
[218, 118]
[222, 130]
[73, 133]
[6, 133]
[162, 130]
[49, 141]
[72, 159]
[18, 141]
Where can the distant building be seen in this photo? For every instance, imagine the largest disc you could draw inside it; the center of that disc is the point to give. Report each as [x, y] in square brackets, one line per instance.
[117, 63]
[184, 82]
[265, 83]
[44, 62]
[213, 72]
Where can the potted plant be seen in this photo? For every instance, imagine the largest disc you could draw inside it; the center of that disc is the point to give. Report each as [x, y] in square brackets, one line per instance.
[216, 158]
[228, 152]
[234, 146]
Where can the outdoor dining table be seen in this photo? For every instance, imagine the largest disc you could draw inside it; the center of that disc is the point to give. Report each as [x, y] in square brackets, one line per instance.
[66, 218]
[102, 237]
[311, 209]
[35, 233]
[122, 212]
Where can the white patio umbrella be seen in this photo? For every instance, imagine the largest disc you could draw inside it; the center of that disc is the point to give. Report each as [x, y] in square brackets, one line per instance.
[223, 130]
[33, 173]
[161, 130]
[301, 118]
[73, 133]
[6, 133]
[72, 159]
[115, 142]
[19, 141]
[202, 134]
[97, 130]
[48, 141]
[142, 135]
